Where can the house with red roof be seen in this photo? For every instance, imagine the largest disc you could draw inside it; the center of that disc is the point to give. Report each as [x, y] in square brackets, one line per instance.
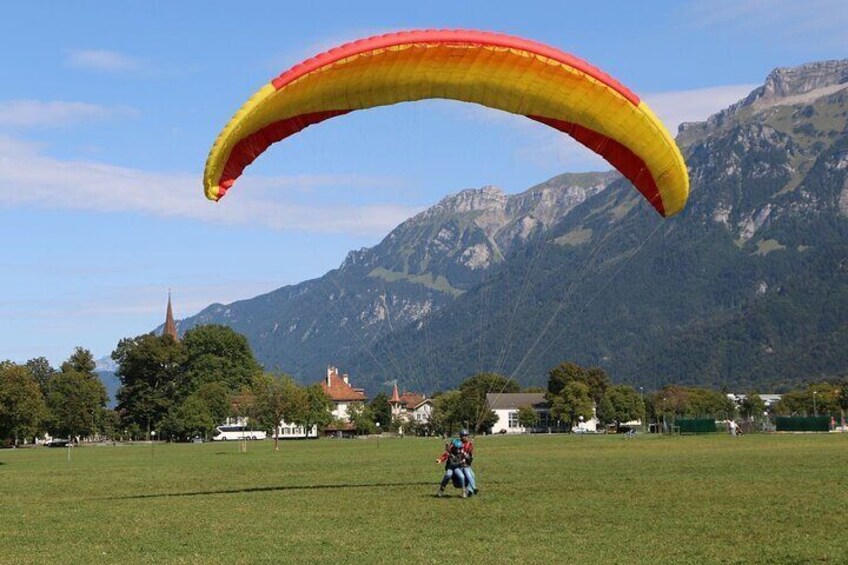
[341, 393]
[411, 406]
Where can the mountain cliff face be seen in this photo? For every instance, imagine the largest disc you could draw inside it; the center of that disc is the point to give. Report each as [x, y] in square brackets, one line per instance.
[783, 87]
[748, 286]
[424, 264]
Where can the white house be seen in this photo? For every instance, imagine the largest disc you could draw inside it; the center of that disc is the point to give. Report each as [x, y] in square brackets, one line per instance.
[340, 393]
[506, 405]
[293, 431]
[768, 399]
[411, 406]
[284, 431]
[422, 412]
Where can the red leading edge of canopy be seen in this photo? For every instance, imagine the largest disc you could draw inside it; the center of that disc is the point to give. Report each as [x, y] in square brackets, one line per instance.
[619, 156]
[450, 36]
[626, 161]
[247, 149]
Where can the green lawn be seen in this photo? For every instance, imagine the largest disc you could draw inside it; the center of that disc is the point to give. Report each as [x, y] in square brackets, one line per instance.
[544, 499]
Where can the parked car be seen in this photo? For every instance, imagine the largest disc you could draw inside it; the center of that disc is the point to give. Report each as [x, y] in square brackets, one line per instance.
[58, 443]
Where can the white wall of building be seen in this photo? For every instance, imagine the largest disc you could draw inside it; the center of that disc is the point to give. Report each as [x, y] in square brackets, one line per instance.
[340, 410]
[422, 413]
[292, 431]
[507, 423]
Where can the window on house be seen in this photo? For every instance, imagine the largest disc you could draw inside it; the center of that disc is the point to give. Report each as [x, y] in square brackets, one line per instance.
[513, 419]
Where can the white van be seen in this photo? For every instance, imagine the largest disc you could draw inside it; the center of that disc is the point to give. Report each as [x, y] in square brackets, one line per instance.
[236, 432]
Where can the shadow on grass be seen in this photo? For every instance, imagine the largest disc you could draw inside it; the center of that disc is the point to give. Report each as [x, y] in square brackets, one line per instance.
[272, 489]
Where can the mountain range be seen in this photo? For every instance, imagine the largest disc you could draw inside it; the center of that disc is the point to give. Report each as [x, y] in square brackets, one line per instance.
[747, 287]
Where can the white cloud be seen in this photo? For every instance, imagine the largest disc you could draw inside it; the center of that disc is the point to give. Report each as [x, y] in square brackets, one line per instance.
[34, 113]
[674, 108]
[823, 21]
[102, 60]
[30, 178]
[105, 313]
[141, 301]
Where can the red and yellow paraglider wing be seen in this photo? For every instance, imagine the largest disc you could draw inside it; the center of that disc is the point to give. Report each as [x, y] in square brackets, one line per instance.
[497, 71]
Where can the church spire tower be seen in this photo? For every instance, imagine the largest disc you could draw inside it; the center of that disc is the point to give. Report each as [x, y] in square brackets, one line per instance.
[170, 325]
[395, 402]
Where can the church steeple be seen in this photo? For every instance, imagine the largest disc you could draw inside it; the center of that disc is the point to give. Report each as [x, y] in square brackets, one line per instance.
[170, 325]
[396, 406]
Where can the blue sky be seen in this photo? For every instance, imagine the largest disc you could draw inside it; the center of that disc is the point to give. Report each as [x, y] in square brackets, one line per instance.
[108, 109]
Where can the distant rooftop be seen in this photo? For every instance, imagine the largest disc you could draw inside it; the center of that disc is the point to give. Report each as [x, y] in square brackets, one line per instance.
[338, 387]
[516, 400]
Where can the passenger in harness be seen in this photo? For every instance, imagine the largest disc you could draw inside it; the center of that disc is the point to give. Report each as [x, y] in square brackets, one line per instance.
[453, 459]
[467, 459]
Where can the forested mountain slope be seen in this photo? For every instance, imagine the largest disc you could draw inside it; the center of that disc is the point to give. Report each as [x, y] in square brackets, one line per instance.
[748, 286]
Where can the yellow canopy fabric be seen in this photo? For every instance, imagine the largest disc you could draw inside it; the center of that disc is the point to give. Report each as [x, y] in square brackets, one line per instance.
[498, 71]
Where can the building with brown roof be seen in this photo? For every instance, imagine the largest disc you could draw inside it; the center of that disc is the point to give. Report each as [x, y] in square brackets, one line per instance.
[341, 393]
[410, 406]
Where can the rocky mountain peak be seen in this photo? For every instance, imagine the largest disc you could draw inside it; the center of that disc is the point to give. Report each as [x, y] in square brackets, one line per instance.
[792, 81]
[783, 86]
[487, 198]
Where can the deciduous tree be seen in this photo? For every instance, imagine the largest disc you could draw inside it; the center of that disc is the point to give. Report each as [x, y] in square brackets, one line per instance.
[605, 411]
[842, 400]
[318, 409]
[216, 353]
[794, 403]
[362, 418]
[752, 406]
[278, 399]
[217, 399]
[190, 418]
[446, 411]
[527, 417]
[80, 361]
[22, 407]
[626, 403]
[76, 402]
[572, 403]
[41, 369]
[594, 378]
[381, 410]
[150, 369]
[472, 409]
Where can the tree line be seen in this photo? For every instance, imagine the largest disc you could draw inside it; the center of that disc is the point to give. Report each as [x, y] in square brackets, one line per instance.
[36, 398]
[574, 393]
[184, 389]
[177, 390]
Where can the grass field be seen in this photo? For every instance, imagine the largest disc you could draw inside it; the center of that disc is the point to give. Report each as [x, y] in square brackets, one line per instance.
[544, 499]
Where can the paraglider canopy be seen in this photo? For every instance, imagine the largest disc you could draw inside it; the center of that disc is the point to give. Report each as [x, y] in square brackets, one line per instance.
[499, 71]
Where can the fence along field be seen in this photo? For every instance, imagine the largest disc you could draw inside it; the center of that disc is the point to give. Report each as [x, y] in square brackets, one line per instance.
[560, 498]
